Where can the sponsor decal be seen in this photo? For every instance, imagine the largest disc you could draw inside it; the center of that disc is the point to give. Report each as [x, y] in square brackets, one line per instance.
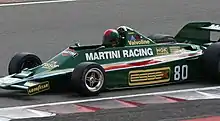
[138, 42]
[50, 65]
[149, 76]
[38, 88]
[138, 52]
[173, 49]
[162, 51]
[69, 52]
[136, 39]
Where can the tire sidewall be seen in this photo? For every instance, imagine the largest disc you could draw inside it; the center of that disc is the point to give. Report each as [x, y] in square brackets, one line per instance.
[211, 62]
[79, 82]
[15, 65]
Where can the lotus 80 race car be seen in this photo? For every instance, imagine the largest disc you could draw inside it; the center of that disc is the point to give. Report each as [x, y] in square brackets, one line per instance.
[137, 61]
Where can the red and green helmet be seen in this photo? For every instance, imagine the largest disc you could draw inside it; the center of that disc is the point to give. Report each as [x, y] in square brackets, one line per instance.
[111, 38]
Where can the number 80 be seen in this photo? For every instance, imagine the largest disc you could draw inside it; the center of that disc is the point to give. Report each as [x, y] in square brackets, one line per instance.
[181, 72]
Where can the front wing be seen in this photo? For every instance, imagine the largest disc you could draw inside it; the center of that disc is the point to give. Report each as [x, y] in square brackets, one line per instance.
[31, 87]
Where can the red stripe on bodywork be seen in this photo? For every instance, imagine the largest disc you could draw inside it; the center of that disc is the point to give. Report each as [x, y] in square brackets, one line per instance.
[143, 63]
[130, 64]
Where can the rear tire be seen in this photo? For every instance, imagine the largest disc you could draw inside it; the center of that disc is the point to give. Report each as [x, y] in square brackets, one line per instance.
[21, 61]
[88, 79]
[211, 62]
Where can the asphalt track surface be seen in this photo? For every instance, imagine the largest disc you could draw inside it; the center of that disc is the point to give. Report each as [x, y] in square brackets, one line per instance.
[162, 112]
[46, 29]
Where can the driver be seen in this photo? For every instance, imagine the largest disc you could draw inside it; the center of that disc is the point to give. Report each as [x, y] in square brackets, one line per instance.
[111, 38]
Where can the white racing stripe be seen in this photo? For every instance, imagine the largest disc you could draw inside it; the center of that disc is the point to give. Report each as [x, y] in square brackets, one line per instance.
[33, 3]
[109, 98]
[160, 59]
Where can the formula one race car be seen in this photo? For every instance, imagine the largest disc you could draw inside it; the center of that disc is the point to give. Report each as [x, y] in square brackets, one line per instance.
[138, 61]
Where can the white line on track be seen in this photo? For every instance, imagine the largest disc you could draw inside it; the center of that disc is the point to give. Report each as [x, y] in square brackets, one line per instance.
[109, 98]
[33, 3]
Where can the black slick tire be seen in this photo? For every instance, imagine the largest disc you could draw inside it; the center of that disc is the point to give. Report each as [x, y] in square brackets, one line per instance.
[211, 62]
[81, 73]
[20, 60]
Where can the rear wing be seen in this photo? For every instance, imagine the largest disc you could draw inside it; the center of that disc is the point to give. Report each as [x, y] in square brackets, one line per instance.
[198, 32]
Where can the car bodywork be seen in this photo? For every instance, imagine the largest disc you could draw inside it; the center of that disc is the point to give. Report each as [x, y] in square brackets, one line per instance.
[140, 62]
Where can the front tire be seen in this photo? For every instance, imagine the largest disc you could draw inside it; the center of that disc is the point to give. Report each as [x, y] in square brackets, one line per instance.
[88, 79]
[21, 61]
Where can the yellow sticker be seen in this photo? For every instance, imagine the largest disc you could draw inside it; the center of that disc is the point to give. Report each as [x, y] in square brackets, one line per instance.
[162, 51]
[149, 76]
[38, 88]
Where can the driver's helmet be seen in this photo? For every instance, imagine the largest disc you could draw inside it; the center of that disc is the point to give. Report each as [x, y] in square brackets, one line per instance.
[111, 38]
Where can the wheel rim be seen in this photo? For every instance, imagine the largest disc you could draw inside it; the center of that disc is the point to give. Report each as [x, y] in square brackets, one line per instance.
[94, 79]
